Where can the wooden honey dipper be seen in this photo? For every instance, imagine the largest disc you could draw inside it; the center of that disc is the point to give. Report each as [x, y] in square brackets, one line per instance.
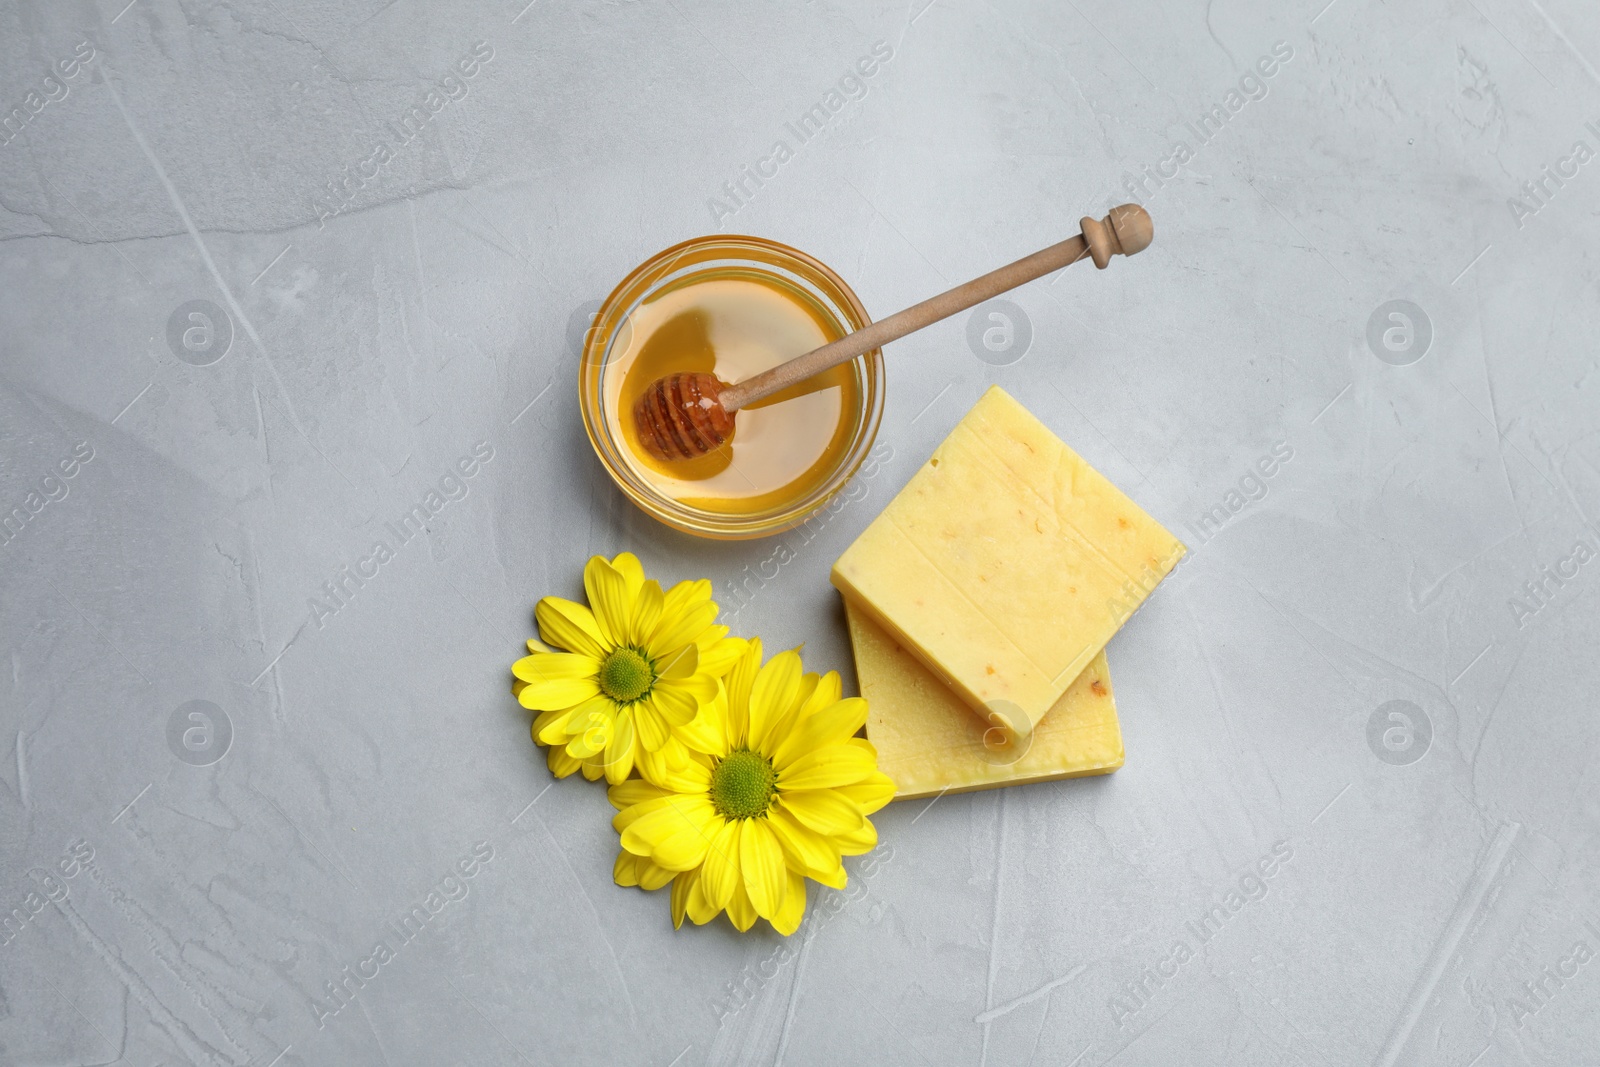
[683, 416]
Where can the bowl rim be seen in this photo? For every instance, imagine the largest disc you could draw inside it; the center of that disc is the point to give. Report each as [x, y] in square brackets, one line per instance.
[671, 266]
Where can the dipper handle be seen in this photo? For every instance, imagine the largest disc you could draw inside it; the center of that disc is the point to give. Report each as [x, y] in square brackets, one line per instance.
[1127, 230]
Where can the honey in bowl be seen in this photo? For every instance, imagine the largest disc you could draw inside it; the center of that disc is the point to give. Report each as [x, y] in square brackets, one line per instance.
[734, 323]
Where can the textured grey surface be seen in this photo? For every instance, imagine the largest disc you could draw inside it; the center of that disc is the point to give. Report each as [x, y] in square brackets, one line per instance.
[382, 298]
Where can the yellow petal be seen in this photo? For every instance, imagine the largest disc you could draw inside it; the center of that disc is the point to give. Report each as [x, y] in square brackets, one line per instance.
[718, 657]
[841, 719]
[554, 730]
[657, 766]
[570, 625]
[592, 768]
[681, 627]
[677, 703]
[787, 921]
[582, 748]
[871, 793]
[555, 667]
[708, 731]
[834, 878]
[823, 810]
[826, 767]
[719, 871]
[646, 614]
[564, 693]
[829, 690]
[740, 910]
[698, 907]
[544, 719]
[738, 682]
[678, 663]
[610, 600]
[681, 885]
[675, 836]
[619, 754]
[650, 725]
[681, 852]
[539, 646]
[701, 687]
[634, 791]
[559, 762]
[652, 877]
[766, 880]
[632, 571]
[674, 754]
[594, 716]
[676, 775]
[590, 728]
[517, 686]
[685, 596]
[691, 813]
[783, 727]
[856, 842]
[773, 695]
[830, 725]
[632, 813]
[625, 871]
[863, 745]
[804, 849]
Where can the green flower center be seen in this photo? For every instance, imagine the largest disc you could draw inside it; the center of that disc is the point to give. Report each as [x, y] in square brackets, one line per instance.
[743, 785]
[626, 676]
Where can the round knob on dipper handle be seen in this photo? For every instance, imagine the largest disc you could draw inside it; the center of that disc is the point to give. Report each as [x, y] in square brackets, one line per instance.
[687, 415]
[1127, 231]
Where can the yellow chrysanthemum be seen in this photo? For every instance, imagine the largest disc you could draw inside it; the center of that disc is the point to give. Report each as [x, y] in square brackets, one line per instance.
[768, 786]
[637, 663]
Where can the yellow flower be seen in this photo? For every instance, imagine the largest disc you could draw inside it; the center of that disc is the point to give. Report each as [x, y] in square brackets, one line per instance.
[635, 667]
[768, 786]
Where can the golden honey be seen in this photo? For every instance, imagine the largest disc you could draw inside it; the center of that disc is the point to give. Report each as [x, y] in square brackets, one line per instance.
[732, 307]
[735, 324]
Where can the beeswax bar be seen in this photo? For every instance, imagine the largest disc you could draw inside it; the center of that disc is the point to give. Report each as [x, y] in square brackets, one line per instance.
[1006, 563]
[929, 741]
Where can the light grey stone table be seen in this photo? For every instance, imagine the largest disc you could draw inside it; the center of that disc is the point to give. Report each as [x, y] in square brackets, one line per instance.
[260, 291]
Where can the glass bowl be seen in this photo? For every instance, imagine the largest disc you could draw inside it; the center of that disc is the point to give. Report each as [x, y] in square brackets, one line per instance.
[708, 258]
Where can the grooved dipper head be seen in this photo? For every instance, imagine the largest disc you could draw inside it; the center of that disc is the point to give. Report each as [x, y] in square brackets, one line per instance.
[681, 417]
